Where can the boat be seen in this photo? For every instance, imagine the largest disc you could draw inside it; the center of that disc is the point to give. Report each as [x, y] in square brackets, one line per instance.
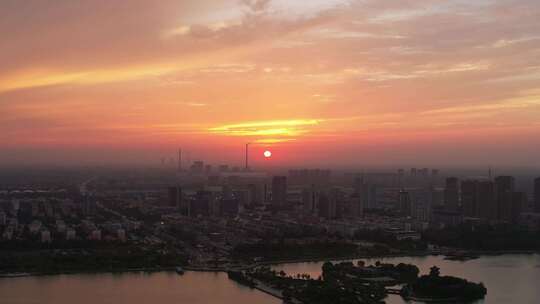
[179, 270]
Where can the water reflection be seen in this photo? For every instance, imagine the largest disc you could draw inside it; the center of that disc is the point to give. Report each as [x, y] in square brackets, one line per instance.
[132, 288]
[509, 279]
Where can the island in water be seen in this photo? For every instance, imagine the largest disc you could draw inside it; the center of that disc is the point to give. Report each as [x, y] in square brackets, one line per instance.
[347, 283]
[434, 287]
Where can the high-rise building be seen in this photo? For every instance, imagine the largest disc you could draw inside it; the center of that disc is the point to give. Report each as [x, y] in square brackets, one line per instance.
[179, 165]
[197, 167]
[519, 201]
[327, 205]
[421, 203]
[310, 199]
[356, 206]
[279, 190]
[203, 204]
[478, 199]
[404, 201]
[504, 189]
[89, 206]
[486, 207]
[537, 195]
[367, 191]
[424, 172]
[256, 194]
[451, 194]
[401, 177]
[227, 192]
[174, 196]
[469, 197]
[334, 199]
[229, 207]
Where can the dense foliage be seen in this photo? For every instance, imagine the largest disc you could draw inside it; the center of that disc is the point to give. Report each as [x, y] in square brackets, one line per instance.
[283, 251]
[486, 237]
[87, 260]
[434, 286]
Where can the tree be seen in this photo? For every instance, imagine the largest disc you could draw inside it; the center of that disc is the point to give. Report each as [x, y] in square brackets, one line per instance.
[434, 271]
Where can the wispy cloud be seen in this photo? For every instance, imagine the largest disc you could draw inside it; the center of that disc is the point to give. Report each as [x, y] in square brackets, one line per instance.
[272, 128]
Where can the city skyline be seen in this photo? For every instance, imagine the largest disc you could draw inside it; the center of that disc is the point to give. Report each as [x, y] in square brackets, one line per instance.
[336, 83]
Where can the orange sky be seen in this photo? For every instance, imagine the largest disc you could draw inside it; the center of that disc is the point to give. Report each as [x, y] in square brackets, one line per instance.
[319, 82]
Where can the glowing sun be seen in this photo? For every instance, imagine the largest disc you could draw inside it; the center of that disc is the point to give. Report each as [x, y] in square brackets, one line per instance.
[267, 154]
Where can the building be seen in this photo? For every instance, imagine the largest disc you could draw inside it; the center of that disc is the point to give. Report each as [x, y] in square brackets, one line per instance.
[121, 235]
[404, 201]
[197, 167]
[279, 191]
[70, 234]
[256, 194]
[421, 203]
[446, 218]
[401, 235]
[327, 205]
[451, 194]
[202, 204]
[469, 198]
[504, 189]
[89, 206]
[486, 207]
[309, 176]
[174, 196]
[367, 191]
[95, 235]
[46, 236]
[310, 200]
[229, 207]
[519, 201]
[356, 207]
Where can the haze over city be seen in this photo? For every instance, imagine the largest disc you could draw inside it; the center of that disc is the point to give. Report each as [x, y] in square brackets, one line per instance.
[332, 83]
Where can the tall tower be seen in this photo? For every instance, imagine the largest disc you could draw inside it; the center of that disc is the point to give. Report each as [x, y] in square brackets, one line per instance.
[247, 156]
[179, 160]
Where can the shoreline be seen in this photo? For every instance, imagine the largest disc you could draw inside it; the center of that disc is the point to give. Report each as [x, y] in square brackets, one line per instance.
[75, 272]
[264, 263]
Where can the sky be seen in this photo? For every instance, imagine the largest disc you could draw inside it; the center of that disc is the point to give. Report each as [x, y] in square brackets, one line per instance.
[319, 83]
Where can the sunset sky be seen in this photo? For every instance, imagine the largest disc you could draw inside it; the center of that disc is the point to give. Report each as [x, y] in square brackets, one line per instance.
[319, 83]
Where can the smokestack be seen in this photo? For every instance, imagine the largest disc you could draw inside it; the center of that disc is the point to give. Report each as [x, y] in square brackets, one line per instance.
[179, 160]
[247, 159]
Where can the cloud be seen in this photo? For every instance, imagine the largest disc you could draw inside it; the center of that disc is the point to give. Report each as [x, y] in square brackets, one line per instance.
[286, 128]
[365, 67]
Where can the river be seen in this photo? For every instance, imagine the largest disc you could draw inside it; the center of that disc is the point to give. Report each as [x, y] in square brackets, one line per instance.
[508, 278]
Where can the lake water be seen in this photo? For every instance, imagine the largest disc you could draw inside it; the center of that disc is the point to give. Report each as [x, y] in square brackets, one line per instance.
[508, 278]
